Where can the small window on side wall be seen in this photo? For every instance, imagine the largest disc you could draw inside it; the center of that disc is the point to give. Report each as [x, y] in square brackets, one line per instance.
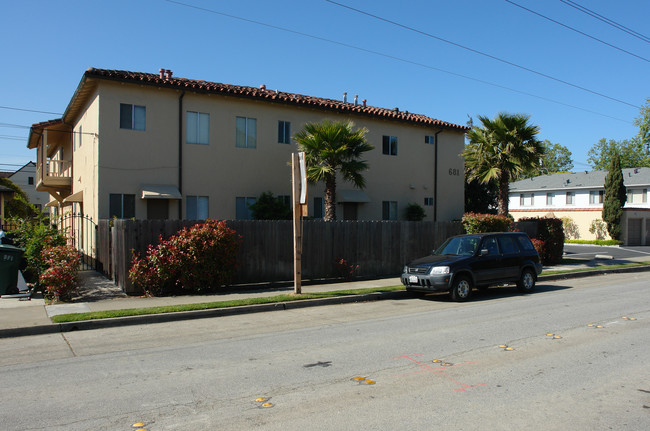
[284, 132]
[389, 210]
[389, 145]
[121, 205]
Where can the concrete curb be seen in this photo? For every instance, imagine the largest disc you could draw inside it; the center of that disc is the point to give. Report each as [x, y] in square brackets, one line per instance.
[248, 309]
[197, 314]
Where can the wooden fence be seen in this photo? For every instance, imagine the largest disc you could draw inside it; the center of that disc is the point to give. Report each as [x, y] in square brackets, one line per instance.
[380, 248]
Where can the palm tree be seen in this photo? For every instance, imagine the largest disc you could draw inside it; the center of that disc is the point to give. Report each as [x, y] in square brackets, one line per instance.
[502, 149]
[332, 147]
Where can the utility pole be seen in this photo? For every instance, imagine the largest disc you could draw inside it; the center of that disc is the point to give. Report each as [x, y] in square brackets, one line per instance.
[300, 209]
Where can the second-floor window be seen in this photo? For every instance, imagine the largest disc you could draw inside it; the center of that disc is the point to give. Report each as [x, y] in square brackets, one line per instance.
[428, 139]
[570, 198]
[389, 145]
[133, 117]
[525, 200]
[428, 202]
[637, 196]
[549, 198]
[198, 128]
[284, 132]
[246, 132]
[596, 196]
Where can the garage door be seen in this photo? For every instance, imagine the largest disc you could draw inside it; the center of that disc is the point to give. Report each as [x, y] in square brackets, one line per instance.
[634, 231]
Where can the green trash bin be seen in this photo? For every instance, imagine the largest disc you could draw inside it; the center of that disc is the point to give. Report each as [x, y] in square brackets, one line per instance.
[10, 260]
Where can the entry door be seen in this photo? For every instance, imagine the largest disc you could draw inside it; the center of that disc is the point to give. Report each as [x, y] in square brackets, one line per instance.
[157, 209]
[634, 231]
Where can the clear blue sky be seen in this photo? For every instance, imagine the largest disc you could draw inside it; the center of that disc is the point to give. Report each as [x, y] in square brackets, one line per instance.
[47, 45]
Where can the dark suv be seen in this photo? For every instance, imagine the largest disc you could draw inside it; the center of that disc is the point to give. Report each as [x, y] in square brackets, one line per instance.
[477, 260]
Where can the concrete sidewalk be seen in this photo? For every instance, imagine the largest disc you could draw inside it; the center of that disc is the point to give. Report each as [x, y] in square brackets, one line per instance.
[20, 318]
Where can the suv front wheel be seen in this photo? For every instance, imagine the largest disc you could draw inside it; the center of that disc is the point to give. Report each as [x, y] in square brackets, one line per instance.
[526, 283]
[461, 290]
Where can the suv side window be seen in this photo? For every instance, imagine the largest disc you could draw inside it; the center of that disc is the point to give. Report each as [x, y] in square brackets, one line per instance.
[524, 243]
[491, 245]
[508, 245]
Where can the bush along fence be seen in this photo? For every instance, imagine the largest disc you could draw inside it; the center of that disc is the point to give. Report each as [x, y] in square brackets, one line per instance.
[265, 254]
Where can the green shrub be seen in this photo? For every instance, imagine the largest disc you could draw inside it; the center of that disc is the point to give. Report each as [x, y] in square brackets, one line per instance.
[571, 230]
[482, 223]
[414, 212]
[598, 228]
[197, 259]
[34, 237]
[60, 280]
[549, 240]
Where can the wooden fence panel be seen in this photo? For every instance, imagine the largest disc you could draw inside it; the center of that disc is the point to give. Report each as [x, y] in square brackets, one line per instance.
[380, 248]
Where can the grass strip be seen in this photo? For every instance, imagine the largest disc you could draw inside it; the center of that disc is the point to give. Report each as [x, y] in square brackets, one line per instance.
[93, 315]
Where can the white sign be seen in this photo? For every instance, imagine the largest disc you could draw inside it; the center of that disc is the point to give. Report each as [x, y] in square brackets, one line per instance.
[303, 178]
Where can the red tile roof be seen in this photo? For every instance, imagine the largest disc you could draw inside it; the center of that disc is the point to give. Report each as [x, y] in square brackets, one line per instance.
[268, 95]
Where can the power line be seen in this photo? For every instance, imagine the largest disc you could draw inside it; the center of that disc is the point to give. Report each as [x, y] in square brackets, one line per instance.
[29, 110]
[482, 53]
[392, 57]
[16, 126]
[606, 20]
[578, 31]
[16, 138]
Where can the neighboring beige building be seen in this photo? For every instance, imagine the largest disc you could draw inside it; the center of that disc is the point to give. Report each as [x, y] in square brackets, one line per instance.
[154, 146]
[579, 196]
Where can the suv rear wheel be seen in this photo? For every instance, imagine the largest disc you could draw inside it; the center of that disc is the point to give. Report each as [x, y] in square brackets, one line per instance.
[461, 290]
[526, 283]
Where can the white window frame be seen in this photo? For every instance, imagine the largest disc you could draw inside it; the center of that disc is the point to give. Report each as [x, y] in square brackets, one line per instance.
[596, 197]
[570, 198]
[389, 145]
[549, 199]
[246, 132]
[284, 132]
[138, 119]
[428, 202]
[197, 128]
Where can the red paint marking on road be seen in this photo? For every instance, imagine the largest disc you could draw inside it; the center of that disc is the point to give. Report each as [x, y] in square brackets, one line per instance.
[439, 371]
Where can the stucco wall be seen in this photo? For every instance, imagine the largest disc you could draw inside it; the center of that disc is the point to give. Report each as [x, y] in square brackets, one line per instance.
[127, 159]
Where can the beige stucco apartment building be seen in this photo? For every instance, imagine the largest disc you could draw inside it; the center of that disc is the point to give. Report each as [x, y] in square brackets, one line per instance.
[154, 146]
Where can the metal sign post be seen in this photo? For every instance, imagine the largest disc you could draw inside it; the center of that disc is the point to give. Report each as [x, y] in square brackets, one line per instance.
[299, 181]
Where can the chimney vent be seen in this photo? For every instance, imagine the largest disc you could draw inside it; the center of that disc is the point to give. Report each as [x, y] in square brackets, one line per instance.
[263, 87]
[356, 99]
[162, 73]
[364, 102]
[169, 74]
[396, 109]
[345, 97]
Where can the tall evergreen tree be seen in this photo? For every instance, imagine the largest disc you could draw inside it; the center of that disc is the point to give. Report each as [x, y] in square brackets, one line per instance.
[615, 197]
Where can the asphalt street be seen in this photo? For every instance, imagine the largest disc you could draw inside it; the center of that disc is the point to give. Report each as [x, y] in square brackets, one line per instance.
[503, 361]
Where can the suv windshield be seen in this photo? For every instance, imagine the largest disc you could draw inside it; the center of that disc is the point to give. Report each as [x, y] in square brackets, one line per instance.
[464, 246]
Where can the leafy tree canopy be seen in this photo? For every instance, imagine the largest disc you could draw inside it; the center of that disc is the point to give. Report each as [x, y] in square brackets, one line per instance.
[615, 197]
[270, 207]
[634, 152]
[556, 159]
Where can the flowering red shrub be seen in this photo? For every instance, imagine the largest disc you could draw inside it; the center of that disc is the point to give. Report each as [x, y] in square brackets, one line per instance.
[482, 223]
[60, 280]
[549, 237]
[344, 269]
[197, 259]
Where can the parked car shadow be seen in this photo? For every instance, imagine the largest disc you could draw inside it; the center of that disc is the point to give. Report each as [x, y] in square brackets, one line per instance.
[493, 292]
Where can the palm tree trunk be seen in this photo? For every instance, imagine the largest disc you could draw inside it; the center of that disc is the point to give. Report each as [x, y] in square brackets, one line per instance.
[330, 198]
[504, 186]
